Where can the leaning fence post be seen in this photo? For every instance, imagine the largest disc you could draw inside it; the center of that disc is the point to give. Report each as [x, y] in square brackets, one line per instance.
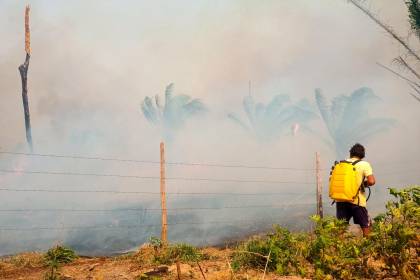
[23, 70]
[319, 210]
[163, 193]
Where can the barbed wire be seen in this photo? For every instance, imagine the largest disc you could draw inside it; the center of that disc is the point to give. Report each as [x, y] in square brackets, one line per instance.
[248, 222]
[79, 157]
[152, 193]
[153, 209]
[144, 210]
[151, 177]
[155, 162]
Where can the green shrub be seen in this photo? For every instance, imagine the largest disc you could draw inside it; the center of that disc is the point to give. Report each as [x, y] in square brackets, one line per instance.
[331, 252]
[60, 255]
[169, 253]
[396, 234]
[334, 252]
[55, 257]
[286, 251]
[156, 242]
[184, 252]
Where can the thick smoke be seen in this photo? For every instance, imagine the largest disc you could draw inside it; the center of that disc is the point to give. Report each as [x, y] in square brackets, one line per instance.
[347, 119]
[171, 113]
[93, 64]
[278, 117]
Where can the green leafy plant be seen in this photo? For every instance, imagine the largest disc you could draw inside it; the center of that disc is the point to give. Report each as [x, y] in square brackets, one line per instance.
[185, 252]
[55, 257]
[156, 242]
[164, 253]
[414, 15]
[281, 251]
[331, 251]
[178, 252]
[396, 234]
[334, 252]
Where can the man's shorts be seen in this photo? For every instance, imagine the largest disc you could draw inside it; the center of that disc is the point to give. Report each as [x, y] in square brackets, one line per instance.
[347, 210]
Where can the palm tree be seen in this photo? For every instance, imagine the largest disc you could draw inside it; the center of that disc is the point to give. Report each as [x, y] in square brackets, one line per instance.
[347, 118]
[267, 122]
[411, 58]
[172, 115]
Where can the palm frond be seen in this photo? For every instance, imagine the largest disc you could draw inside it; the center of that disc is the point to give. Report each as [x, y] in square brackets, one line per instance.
[174, 113]
[276, 118]
[149, 110]
[358, 106]
[158, 102]
[194, 107]
[249, 109]
[324, 110]
[276, 104]
[259, 112]
[348, 119]
[168, 93]
[238, 121]
[338, 106]
[373, 126]
[304, 111]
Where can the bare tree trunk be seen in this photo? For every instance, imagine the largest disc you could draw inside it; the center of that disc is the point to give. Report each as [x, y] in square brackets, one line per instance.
[23, 69]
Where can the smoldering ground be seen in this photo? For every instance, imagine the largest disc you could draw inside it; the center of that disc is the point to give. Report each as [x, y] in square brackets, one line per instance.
[93, 64]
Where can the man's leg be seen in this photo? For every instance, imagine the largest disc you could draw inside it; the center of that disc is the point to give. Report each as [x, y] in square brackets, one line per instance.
[343, 211]
[361, 217]
[366, 231]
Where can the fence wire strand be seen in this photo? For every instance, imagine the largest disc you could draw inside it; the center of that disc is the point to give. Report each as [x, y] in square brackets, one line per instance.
[154, 162]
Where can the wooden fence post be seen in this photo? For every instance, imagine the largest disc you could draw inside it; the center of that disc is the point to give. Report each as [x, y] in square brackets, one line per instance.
[319, 210]
[163, 193]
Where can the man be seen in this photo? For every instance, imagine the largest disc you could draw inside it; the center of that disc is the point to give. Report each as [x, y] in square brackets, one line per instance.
[357, 208]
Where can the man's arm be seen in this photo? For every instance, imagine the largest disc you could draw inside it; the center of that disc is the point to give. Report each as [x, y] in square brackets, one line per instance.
[368, 174]
[370, 180]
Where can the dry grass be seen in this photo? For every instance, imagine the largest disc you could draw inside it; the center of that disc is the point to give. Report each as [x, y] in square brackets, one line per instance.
[144, 256]
[24, 260]
[21, 263]
[215, 265]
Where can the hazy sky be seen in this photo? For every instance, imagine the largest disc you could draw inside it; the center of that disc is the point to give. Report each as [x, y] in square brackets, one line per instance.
[101, 58]
[93, 62]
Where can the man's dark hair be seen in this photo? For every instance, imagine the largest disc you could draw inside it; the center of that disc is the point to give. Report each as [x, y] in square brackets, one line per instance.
[357, 151]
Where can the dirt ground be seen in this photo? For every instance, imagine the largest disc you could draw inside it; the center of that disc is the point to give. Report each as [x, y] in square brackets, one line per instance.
[29, 266]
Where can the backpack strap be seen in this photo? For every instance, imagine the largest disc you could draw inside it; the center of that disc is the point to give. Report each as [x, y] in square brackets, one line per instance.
[361, 187]
[357, 195]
